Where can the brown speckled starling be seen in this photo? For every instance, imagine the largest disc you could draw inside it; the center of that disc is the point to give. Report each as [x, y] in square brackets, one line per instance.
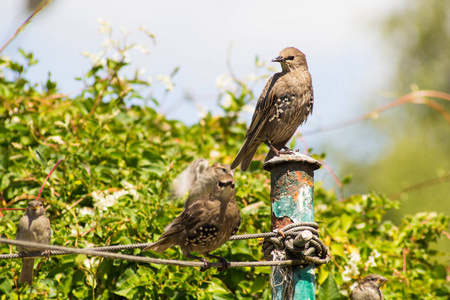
[34, 227]
[369, 288]
[284, 104]
[204, 225]
[199, 179]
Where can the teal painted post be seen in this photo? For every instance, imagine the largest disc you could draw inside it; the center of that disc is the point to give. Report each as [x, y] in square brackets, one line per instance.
[292, 199]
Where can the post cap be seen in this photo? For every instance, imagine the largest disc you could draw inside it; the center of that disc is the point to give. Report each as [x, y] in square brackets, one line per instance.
[292, 158]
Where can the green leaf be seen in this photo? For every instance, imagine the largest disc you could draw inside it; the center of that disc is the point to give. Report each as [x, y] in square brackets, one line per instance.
[258, 284]
[41, 159]
[329, 289]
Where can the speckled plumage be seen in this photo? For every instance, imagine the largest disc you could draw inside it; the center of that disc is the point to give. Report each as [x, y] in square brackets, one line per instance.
[205, 224]
[284, 104]
[34, 227]
[369, 288]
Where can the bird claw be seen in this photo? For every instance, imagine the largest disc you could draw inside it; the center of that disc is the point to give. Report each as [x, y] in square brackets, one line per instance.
[224, 262]
[224, 265]
[287, 151]
[206, 266]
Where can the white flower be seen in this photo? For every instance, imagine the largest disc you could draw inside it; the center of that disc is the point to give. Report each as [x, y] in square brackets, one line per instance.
[224, 82]
[214, 154]
[143, 49]
[360, 225]
[141, 72]
[352, 287]
[15, 120]
[57, 139]
[96, 60]
[86, 211]
[375, 253]
[60, 124]
[226, 100]
[371, 259]
[166, 81]
[105, 27]
[349, 271]
[109, 43]
[248, 108]
[355, 257]
[103, 200]
[17, 145]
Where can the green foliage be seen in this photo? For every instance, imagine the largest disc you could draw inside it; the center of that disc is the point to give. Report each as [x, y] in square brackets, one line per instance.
[113, 187]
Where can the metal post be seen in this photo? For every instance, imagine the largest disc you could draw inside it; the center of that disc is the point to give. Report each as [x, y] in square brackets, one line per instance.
[292, 201]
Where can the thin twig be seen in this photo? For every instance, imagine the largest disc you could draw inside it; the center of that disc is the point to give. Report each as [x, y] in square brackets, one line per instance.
[411, 97]
[41, 6]
[48, 176]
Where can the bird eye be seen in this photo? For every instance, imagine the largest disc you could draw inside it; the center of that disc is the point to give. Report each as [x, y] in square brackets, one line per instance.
[290, 57]
[224, 170]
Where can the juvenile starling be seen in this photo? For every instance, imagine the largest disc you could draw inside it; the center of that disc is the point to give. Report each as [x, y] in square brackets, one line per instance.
[34, 227]
[205, 224]
[369, 288]
[199, 179]
[284, 104]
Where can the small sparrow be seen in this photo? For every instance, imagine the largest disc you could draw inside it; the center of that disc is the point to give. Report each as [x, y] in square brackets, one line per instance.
[369, 288]
[34, 227]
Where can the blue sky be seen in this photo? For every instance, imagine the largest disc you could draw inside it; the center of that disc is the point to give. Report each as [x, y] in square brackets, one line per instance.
[349, 64]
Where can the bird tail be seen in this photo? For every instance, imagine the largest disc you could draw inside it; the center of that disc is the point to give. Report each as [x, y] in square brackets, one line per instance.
[159, 246]
[26, 275]
[245, 156]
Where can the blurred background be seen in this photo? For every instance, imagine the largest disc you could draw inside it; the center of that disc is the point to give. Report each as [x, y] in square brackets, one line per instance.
[362, 56]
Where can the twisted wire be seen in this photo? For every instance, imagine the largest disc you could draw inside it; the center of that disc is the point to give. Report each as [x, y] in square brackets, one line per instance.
[299, 241]
[276, 238]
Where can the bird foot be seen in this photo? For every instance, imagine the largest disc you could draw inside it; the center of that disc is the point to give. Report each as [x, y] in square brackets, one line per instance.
[224, 262]
[287, 151]
[207, 265]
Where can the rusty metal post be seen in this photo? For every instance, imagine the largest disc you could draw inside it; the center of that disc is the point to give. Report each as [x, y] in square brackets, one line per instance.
[292, 201]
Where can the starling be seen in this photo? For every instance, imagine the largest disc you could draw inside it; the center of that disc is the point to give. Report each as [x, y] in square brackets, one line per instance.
[205, 224]
[199, 179]
[369, 288]
[284, 104]
[34, 227]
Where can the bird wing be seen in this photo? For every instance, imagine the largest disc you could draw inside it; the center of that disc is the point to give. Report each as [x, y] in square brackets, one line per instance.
[21, 228]
[187, 219]
[263, 108]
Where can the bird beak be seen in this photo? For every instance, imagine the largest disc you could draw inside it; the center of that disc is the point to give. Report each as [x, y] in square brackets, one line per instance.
[381, 280]
[35, 207]
[278, 59]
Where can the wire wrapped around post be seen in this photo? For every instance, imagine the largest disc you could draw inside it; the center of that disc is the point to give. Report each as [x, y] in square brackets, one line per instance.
[292, 201]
